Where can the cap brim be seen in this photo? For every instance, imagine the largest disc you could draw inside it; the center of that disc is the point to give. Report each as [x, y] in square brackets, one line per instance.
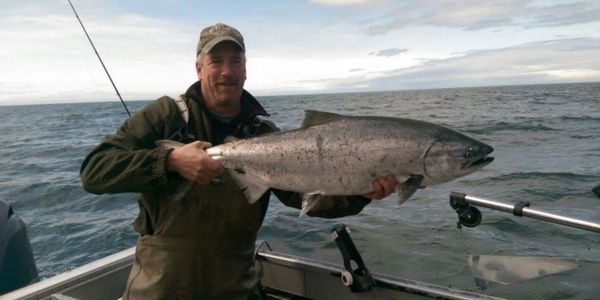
[218, 40]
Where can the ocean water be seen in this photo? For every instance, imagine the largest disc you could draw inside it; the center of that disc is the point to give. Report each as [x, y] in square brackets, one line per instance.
[547, 151]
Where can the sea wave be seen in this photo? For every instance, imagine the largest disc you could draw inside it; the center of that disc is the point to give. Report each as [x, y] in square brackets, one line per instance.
[538, 186]
[506, 126]
[581, 118]
[541, 175]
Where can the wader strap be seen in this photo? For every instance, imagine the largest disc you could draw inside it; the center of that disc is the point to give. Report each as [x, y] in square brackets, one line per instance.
[183, 109]
[182, 135]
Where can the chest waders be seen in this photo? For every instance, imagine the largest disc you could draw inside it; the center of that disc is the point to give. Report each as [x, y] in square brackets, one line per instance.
[202, 246]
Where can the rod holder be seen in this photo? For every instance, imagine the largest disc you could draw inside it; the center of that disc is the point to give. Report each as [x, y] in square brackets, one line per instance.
[358, 279]
[461, 202]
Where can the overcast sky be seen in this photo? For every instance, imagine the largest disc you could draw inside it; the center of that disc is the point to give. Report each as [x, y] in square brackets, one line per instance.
[294, 46]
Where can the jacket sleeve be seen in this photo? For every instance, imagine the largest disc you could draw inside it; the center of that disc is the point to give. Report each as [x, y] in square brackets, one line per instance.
[129, 161]
[330, 207]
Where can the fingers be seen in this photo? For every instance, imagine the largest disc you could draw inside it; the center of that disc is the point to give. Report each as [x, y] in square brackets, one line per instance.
[204, 178]
[382, 187]
[201, 145]
[388, 184]
[207, 170]
[192, 163]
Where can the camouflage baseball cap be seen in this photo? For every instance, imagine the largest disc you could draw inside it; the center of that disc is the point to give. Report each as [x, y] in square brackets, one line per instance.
[212, 35]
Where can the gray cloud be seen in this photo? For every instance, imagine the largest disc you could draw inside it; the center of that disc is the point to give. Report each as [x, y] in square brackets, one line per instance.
[477, 15]
[564, 14]
[565, 60]
[388, 52]
[353, 3]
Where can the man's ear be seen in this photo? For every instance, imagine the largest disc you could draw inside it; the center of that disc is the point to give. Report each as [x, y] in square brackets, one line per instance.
[198, 69]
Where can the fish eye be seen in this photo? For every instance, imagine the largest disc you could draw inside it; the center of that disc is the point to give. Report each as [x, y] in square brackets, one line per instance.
[469, 152]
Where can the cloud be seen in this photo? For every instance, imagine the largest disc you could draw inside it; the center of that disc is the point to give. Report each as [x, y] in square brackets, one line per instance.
[477, 15]
[149, 50]
[347, 2]
[562, 14]
[530, 63]
[50, 53]
[388, 52]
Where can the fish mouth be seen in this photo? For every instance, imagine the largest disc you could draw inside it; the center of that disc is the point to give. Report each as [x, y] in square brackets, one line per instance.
[480, 163]
[482, 159]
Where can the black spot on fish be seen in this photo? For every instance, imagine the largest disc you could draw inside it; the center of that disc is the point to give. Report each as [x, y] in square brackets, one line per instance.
[240, 170]
[383, 158]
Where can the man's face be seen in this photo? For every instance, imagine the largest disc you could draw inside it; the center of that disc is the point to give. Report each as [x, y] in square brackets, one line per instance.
[222, 73]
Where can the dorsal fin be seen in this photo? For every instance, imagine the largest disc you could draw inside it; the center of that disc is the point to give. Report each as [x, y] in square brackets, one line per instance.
[315, 117]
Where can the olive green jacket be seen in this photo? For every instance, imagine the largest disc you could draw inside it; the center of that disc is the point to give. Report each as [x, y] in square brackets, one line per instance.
[129, 161]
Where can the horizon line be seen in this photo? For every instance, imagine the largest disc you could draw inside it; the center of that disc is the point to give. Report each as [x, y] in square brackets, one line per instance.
[83, 101]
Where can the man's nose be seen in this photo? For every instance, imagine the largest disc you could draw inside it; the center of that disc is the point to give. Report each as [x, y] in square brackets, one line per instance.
[227, 68]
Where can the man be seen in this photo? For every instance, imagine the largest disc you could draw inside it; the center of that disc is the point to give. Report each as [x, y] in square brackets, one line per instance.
[202, 246]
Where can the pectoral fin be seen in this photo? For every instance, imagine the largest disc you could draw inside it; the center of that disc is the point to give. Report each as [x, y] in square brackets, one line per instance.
[309, 201]
[408, 187]
[252, 187]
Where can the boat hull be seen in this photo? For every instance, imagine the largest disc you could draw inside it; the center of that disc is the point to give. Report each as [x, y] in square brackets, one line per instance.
[283, 276]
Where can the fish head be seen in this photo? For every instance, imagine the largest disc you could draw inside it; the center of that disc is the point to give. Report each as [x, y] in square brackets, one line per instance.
[455, 155]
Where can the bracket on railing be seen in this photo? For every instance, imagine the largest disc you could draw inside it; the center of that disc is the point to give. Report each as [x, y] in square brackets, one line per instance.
[356, 276]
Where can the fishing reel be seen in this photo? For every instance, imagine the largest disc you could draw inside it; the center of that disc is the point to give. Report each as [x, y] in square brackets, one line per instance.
[468, 215]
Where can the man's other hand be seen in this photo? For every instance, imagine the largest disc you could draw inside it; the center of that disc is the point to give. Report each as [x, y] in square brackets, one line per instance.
[383, 187]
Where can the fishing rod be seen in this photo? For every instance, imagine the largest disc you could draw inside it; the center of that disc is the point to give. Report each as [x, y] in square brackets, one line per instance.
[99, 58]
[470, 216]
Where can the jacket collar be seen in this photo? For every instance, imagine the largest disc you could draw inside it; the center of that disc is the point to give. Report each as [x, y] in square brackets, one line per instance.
[250, 106]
